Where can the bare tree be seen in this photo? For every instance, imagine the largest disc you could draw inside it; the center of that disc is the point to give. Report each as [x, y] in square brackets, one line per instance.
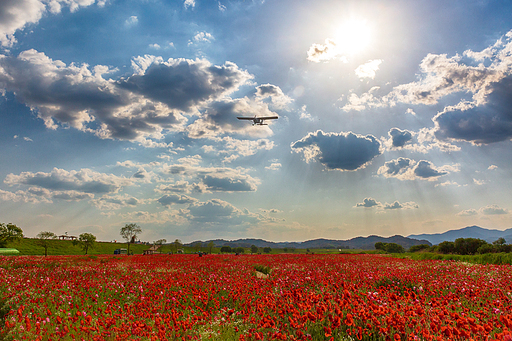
[44, 240]
[129, 232]
[211, 245]
[160, 243]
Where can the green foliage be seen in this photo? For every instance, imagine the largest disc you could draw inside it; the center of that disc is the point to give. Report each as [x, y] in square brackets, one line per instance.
[486, 248]
[488, 258]
[86, 241]
[267, 249]
[421, 247]
[263, 269]
[446, 247]
[8, 252]
[210, 246]
[468, 246]
[8, 233]
[225, 249]
[254, 249]
[394, 248]
[239, 250]
[380, 246]
[197, 246]
[30, 246]
[389, 247]
[5, 308]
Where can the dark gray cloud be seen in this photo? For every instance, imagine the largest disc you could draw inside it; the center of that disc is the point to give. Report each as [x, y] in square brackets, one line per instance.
[211, 179]
[483, 124]
[399, 137]
[221, 117]
[219, 184]
[141, 107]
[265, 90]
[83, 181]
[184, 84]
[425, 169]
[395, 167]
[212, 209]
[168, 200]
[215, 211]
[343, 151]
[71, 196]
[394, 206]
[369, 202]
[407, 169]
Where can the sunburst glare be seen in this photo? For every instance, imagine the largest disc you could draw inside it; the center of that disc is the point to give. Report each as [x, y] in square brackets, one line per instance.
[353, 36]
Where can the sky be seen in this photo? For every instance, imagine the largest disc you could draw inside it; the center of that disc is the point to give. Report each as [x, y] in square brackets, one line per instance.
[394, 117]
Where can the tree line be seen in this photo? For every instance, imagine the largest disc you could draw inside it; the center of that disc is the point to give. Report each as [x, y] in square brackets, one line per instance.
[461, 246]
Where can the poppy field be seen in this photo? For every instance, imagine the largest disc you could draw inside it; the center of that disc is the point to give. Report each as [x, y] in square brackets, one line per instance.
[222, 297]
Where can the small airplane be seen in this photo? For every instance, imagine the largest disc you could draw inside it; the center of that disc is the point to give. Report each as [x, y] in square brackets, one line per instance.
[258, 120]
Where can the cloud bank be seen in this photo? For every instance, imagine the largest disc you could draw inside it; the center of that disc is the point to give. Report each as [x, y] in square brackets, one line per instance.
[338, 151]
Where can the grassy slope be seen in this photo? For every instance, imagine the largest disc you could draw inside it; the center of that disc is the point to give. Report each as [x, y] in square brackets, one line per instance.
[488, 258]
[29, 246]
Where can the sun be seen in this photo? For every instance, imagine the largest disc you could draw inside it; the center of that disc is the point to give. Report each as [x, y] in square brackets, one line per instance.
[353, 36]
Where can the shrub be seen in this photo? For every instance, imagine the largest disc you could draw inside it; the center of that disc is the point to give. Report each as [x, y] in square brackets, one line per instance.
[421, 247]
[225, 249]
[263, 269]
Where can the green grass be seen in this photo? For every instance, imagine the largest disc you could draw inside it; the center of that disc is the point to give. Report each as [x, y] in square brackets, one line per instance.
[487, 258]
[8, 252]
[29, 246]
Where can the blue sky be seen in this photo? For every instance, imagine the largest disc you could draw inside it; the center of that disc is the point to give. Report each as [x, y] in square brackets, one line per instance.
[394, 117]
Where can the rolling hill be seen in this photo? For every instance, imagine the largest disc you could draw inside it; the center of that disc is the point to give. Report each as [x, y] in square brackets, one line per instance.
[364, 243]
[488, 235]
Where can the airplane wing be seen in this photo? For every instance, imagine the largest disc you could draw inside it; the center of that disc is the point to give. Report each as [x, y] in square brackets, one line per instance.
[268, 118]
[245, 118]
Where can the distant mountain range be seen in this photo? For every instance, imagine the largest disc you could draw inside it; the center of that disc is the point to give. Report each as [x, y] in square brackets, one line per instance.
[364, 243]
[466, 232]
[368, 243]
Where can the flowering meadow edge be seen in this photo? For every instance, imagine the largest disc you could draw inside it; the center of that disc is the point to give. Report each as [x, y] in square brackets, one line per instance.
[219, 297]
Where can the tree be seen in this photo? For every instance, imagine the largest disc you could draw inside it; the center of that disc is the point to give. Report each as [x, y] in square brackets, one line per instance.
[210, 246]
[421, 247]
[225, 249]
[239, 249]
[446, 247]
[380, 246]
[486, 248]
[197, 246]
[267, 249]
[394, 248]
[177, 245]
[44, 240]
[160, 243]
[129, 232]
[468, 246]
[9, 233]
[86, 241]
[254, 249]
